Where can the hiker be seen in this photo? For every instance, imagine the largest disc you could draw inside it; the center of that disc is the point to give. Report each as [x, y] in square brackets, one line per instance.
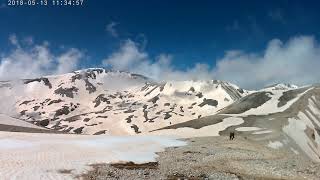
[231, 135]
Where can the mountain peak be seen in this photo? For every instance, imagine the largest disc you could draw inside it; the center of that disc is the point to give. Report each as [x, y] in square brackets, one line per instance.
[281, 86]
[97, 71]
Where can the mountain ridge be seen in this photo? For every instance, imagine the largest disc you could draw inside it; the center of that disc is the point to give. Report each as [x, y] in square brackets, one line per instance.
[103, 102]
[133, 103]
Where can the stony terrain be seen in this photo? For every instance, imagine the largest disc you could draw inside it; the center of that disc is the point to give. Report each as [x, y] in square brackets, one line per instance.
[214, 158]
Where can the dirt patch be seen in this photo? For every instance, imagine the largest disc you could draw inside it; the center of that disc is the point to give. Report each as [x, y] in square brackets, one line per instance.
[191, 152]
[132, 165]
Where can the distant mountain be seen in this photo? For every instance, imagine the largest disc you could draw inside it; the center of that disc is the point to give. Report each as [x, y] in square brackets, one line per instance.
[281, 86]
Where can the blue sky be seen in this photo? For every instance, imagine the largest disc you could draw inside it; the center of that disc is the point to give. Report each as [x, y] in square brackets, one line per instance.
[189, 32]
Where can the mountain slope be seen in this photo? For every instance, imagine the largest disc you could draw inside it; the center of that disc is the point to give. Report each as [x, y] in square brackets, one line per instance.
[98, 101]
[276, 118]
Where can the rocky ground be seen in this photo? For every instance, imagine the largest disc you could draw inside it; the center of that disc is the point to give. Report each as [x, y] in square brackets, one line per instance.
[214, 158]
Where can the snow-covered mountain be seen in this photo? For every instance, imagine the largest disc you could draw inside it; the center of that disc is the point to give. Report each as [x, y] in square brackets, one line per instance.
[277, 117]
[280, 86]
[98, 101]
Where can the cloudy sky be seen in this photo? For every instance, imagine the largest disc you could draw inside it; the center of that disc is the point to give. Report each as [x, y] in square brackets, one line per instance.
[250, 43]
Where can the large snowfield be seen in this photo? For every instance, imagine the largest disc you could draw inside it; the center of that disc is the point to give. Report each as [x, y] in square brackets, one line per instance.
[29, 156]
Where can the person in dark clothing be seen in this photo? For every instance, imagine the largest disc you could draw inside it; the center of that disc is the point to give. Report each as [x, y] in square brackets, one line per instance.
[231, 135]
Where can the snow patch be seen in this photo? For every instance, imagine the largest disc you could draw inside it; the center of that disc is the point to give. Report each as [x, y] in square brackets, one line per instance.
[262, 132]
[275, 144]
[296, 130]
[248, 129]
[41, 156]
[295, 151]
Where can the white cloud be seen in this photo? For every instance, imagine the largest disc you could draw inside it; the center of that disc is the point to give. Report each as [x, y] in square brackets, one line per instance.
[68, 61]
[130, 58]
[296, 61]
[111, 29]
[36, 60]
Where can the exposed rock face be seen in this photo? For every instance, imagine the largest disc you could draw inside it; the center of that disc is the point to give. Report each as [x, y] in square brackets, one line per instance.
[234, 92]
[100, 99]
[135, 128]
[154, 99]
[35, 108]
[210, 102]
[54, 101]
[64, 110]
[289, 95]
[199, 95]
[86, 120]
[26, 102]
[44, 123]
[85, 76]
[68, 92]
[100, 132]
[78, 130]
[74, 118]
[253, 100]
[44, 80]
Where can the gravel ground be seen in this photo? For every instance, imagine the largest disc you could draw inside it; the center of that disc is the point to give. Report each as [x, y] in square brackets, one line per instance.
[214, 158]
